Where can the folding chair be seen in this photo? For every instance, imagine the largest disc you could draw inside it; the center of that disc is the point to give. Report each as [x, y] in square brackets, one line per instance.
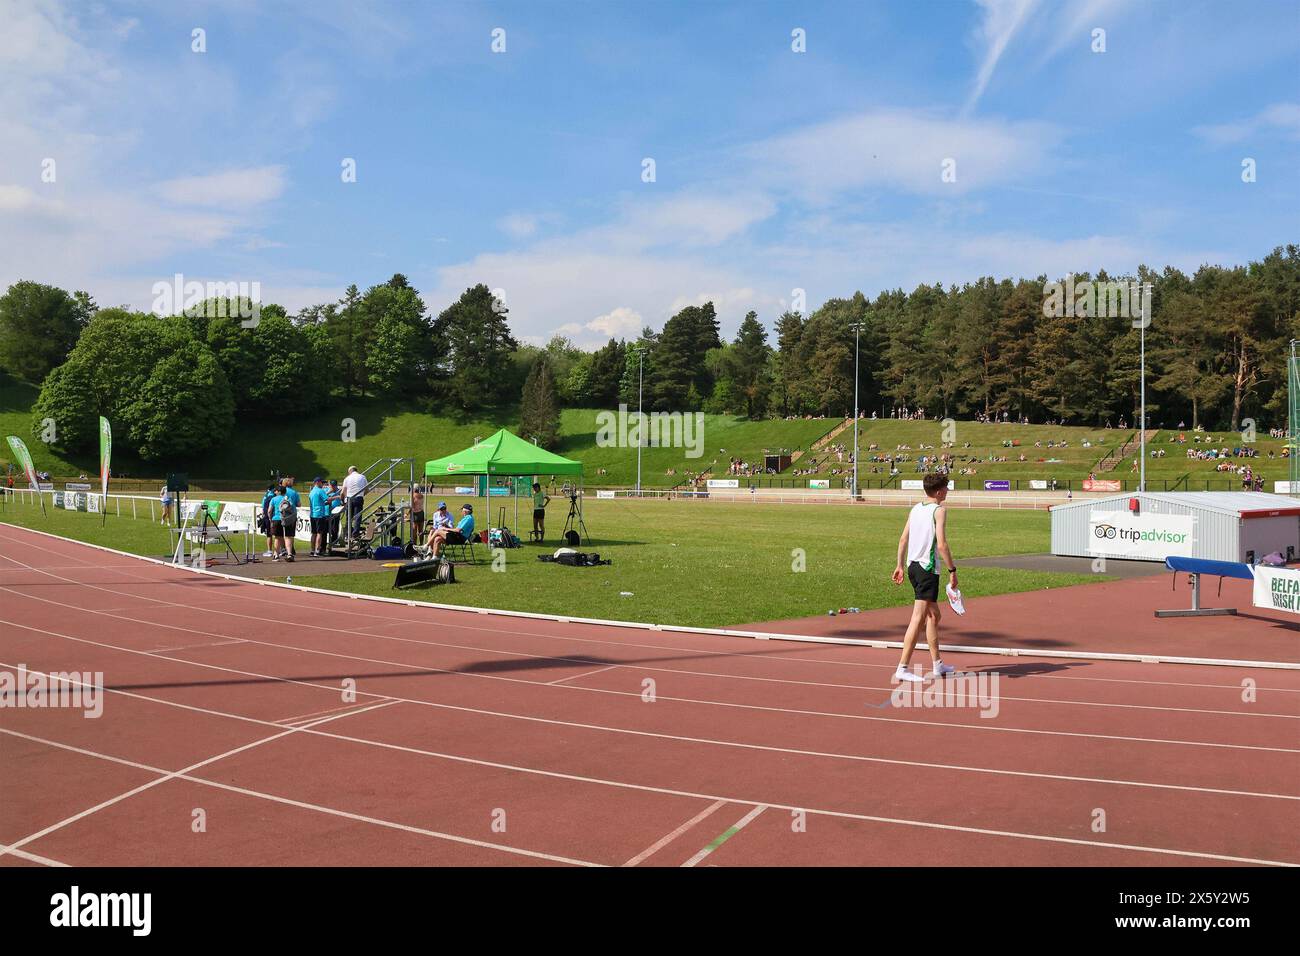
[462, 553]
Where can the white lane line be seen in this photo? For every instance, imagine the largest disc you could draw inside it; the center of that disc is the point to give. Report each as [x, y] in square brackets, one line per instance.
[675, 737]
[190, 647]
[726, 835]
[668, 838]
[599, 690]
[332, 811]
[165, 776]
[553, 774]
[841, 814]
[170, 775]
[299, 718]
[351, 711]
[598, 670]
[31, 857]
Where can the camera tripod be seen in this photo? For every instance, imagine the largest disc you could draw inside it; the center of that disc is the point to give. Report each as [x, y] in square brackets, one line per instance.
[575, 515]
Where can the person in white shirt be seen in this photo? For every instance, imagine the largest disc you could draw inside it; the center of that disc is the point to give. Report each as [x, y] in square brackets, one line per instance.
[354, 494]
[924, 541]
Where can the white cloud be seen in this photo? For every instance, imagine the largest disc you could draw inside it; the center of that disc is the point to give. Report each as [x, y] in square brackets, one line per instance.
[36, 40]
[232, 188]
[518, 225]
[1282, 118]
[901, 149]
[620, 323]
[588, 295]
[15, 198]
[1002, 19]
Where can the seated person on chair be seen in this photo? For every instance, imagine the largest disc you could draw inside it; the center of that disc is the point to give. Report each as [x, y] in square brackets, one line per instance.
[460, 534]
[440, 518]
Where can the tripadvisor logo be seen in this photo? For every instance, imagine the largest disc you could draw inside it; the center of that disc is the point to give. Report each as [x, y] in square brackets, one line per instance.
[1110, 532]
[1098, 300]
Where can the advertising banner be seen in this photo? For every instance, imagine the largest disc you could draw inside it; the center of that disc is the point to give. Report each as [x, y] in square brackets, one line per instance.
[997, 485]
[917, 484]
[24, 460]
[105, 454]
[239, 516]
[1151, 537]
[1102, 484]
[1277, 588]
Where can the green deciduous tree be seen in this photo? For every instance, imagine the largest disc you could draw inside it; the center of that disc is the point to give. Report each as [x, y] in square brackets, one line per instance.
[39, 325]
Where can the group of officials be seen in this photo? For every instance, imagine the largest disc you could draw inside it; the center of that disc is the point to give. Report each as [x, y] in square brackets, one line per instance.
[327, 500]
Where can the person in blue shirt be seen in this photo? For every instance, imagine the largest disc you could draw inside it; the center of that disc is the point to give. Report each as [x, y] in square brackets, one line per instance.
[460, 534]
[290, 518]
[264, 520]
[276, 510]
[320, 518]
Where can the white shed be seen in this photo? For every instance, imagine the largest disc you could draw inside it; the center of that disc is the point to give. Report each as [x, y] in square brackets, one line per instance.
[1151, 525]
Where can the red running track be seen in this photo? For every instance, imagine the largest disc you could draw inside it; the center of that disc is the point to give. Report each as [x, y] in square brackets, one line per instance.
[476, 739]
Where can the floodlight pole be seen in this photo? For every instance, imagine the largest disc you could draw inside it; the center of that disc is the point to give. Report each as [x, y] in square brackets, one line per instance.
[857, 331]
[1292, 422]
[1145, 314]
[640, 417]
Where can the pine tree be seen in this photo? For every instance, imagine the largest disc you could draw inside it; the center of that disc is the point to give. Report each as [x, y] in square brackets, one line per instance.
[539, 411]
[478, 349]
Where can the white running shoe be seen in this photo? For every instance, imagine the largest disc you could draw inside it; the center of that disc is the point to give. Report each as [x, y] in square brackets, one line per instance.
[904, 674]
[943, 670]
[954, 599]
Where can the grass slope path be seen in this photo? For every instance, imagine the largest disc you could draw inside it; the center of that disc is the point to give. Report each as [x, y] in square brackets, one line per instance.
[823, 441]
[1114, 457]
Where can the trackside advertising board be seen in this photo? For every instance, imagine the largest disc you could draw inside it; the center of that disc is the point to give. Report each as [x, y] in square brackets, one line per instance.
[1119, 534]
[1277, 588]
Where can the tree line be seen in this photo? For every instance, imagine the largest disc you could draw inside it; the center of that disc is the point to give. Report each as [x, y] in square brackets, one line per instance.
[1216, 343]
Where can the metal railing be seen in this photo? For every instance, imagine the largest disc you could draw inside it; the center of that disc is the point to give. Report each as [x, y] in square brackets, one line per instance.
[382, 517]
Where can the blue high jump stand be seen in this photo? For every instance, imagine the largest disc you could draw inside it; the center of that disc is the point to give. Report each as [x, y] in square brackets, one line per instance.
[1195, 568]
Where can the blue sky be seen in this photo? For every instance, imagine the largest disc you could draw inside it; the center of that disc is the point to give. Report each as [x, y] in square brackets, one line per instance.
[775, 170]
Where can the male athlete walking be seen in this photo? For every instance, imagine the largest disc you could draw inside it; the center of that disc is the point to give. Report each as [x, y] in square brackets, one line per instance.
[923, 542]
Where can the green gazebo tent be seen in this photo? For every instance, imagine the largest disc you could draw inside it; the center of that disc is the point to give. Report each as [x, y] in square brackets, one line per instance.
[502, 454]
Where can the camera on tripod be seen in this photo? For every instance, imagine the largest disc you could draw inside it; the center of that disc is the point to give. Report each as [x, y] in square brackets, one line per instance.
[574, 494]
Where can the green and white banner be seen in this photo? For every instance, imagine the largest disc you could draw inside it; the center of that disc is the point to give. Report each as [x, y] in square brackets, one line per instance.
[105, 453]
[25, 460]
[1277, 588]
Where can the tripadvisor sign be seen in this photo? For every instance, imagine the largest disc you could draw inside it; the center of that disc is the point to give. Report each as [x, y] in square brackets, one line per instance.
[1119, 534]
